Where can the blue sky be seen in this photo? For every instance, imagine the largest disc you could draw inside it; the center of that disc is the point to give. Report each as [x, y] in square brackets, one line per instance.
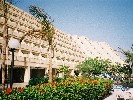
[100, 20]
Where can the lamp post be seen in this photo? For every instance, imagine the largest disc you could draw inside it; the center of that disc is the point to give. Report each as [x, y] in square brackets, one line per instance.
[13, 45]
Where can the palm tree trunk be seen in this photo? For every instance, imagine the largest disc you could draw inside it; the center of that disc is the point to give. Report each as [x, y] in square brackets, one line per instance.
[4, 45]
[3, 61]
[50, 65]
[132, 70]
[4, 48]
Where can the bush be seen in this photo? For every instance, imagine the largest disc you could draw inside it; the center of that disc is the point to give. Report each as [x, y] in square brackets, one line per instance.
[35, 81]
[72, 89]
[130, 84]
[59, 79]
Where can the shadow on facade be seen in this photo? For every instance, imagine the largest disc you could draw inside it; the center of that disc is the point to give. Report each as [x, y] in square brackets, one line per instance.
[18, 74]
[34, 73]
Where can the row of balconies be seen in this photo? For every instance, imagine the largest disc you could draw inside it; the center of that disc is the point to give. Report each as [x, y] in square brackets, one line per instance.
[29, 47]
[26, 46]
[16, 34]
[68, 52]
[68, 42]
[62, 38]
[16, 22]
[45, 50]
[25, 17]
[38, 50]
[26, 61]
[69, 47]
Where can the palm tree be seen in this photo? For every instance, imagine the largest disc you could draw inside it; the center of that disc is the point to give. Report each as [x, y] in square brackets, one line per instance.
[46, 32]
[129, 56]
[4, 9]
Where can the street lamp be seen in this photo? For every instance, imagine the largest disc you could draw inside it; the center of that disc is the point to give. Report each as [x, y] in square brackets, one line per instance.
[13, 45]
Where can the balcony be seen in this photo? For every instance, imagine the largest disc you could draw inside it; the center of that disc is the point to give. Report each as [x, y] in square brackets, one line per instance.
[22, 28]
[14, 18]
[34, 60]
[57, 54]
[2, 20]
[36, 41]
[11, 24]
[17, 34]
[44, 50]
[25, 47]
[1, 30]
[20, 59]
[1, 41]
[35, 49]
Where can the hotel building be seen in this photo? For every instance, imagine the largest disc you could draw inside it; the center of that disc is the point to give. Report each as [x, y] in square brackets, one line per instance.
[31, 58]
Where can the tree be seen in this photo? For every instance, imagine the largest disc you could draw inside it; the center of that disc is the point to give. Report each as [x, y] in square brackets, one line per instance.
[64, 69]
[129, 56]
[4, 7]
[94, 66]
[46, 32]
[126, 70]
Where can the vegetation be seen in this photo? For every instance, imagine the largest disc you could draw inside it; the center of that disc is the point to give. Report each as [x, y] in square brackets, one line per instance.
[46, 33]
[35, 81]
[64, 69]
[129, 56]
[94, 66]
[72, 89]
[128, 67]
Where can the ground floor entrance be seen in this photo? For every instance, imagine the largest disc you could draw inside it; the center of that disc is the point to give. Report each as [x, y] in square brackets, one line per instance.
[18, 75]
[24, 74]
[34, 73]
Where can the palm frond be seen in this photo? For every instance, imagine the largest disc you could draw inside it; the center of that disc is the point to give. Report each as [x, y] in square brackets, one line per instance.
[47, 30]
[128, 54]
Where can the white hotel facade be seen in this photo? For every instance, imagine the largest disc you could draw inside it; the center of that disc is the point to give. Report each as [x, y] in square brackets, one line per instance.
[31, 58]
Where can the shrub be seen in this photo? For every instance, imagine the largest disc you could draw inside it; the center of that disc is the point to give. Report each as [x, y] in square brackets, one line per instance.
[35, 81]
[71, 89]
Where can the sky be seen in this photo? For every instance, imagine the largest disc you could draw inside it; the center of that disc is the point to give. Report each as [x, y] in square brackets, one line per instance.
[108, 21]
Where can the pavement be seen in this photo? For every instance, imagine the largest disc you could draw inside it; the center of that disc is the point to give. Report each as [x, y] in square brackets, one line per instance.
[126, 95]
[14, 85]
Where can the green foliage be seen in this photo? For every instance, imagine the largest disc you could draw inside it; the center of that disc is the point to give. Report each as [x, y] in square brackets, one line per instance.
[94, 66]
[59, 79]
[71, 89]
[126, 70]
[130, 84]
[129, 60]
[47, 31]
[64, 69]
[35, 81]
[128, 54]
